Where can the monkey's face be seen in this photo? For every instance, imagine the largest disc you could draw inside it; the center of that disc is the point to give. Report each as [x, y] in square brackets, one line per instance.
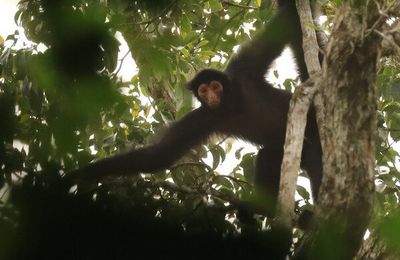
[210, 94]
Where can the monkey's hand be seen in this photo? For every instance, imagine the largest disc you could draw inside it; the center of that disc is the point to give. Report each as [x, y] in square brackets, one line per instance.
[73, 178]
[85, 180]
[84, 174]
[117, 165]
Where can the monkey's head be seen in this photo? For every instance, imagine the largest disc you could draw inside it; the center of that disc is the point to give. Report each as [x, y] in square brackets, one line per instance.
[210, 87]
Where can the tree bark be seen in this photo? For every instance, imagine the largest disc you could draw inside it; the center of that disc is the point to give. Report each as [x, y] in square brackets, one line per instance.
[374, 248]
[349, 124]
[297, 118]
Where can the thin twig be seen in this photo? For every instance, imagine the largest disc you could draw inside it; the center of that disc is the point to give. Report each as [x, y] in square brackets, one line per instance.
[165, 11]
[6, 190]
[126, 54]
[385, 37]
[239, 5]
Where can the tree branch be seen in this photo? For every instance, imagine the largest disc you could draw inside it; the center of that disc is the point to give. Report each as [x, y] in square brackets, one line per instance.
[239, 5]
[321, 36]
[389, 44]
[164, 12]
[310, 43]
[297, 119]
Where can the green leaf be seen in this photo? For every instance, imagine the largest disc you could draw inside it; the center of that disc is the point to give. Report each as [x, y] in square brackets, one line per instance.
[185, 24]
[207, 54]
[215, 5]
[185, 52]
[202, 43]
[276, 74]
[303, 192]
[218, 155]
[248, 165]
[223, 181]
[238, 153]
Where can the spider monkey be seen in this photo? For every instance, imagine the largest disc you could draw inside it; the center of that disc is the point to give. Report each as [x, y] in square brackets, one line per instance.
[237, 102]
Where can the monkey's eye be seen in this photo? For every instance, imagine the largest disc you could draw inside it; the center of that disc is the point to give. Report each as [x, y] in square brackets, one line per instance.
[203, 89]
[216, 86]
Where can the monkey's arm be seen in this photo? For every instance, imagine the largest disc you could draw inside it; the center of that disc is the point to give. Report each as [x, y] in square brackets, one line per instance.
[191, 130]
[254, 58]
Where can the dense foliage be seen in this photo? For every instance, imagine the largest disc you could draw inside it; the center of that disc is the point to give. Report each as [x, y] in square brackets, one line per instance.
[62, 104]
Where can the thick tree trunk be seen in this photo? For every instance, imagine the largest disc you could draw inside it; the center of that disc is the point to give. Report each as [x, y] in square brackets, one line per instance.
[349, 126]
[374, 248]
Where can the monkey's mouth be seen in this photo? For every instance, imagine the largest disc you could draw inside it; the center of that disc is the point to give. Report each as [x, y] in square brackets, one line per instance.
[214, 104]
